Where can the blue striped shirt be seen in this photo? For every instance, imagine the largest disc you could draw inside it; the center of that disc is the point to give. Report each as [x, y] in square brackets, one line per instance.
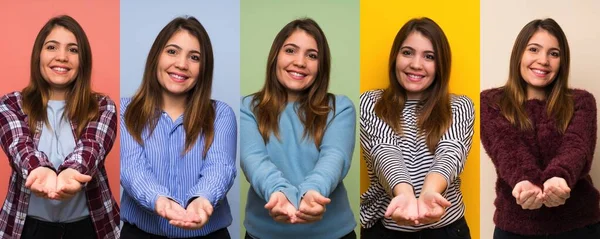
[158, 168]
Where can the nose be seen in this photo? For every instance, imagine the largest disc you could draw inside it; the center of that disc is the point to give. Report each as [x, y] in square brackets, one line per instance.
[62, 55]
[416, 63]
[300, 61]
[181, 62]
[544, 60]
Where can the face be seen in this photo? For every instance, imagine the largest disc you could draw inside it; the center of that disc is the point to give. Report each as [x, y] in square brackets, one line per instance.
[415, 65]
[179, 63]
[297, 63]
[541, 60]
[59, 58]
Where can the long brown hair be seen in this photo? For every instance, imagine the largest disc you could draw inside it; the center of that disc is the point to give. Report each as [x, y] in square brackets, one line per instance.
[435, 114]
[81, 105]
[560, 105]
[313, 103]
[199, 115]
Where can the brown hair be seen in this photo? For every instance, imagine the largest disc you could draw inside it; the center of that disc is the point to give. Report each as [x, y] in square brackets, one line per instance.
[560, 104]
[81, 105]
[435, 114]
[199, 113]
[313, 103]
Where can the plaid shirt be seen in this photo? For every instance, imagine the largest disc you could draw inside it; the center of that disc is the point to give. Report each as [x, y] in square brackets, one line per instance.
[20, 145]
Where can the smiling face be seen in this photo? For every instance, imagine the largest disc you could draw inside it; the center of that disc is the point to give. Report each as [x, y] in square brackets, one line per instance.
[415, 65]
[297, 63]
[179, 63]
[59, 60]
[540, 63]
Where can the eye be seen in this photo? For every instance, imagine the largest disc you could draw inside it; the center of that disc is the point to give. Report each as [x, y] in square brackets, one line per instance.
[171, 51]
[406, 53]
[533, 49]
[195, 57]
[289, 50]
[50, 47]
[313, 56]
[74, 50]
[430, 57]
[555, 54]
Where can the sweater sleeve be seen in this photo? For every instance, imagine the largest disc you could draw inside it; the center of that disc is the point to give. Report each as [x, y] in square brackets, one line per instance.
[452, 150]
[262, 174]
[335, 153]
[380, 144]
[503, 143]
[575, 154]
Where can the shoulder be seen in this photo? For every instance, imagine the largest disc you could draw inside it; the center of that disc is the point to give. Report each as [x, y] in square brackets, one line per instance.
[461, 102]
[246, 102]
[583, 99]
[343, 102]
[491, 95]
[12, 100]
[105, 101]
[124, 102]
[222, 108]
[369, 98]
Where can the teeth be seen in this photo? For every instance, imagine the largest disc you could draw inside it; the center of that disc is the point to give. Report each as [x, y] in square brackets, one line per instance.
[415, 76]
[539, 72]
[60, 69]
[177, 76]
[297, 74]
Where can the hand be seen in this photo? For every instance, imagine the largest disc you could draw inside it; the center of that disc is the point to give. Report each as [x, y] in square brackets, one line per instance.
[280, 208]
[42, 182]
[197, 214]
[403, 209]
[312, 207]
[68, 183]
[169, 209]
[432, 206]
[556, 192]
[528, 195]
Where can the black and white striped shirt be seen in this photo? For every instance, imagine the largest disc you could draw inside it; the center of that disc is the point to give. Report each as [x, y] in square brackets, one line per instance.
[393, 159]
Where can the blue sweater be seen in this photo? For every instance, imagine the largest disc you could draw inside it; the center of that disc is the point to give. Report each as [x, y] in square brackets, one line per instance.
[294, 165]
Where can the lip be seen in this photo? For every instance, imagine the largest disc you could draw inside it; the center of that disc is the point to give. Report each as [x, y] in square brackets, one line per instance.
[178, 77]
[414, 77]
[60, 69]
[539, 72]
[297, 75]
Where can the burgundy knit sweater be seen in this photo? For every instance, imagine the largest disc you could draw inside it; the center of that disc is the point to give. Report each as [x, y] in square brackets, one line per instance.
[538, 155]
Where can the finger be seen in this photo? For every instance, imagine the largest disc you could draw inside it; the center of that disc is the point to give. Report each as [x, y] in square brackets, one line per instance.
[524, 196]
[30, 180]
[271, 203]
[282, 218]
[172, 214]
[82, 178]
[316, 210]
[320, 199]
[440, 200]
[306, 217]
[391, 208]
[528, 203]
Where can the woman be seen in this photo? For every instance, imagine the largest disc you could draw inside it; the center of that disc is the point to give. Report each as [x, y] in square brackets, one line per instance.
[415, 137]
[178, 146]
[296, 143]
[541, 137]
[56, 134]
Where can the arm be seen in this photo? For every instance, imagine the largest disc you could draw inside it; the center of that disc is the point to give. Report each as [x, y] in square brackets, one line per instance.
[503, 143]
[218, 171]
[264, 176]
[575, 154]
[335, 153]
[453, 148]
[17, 139]
[382, 149]
[137, 178]
[95, 141]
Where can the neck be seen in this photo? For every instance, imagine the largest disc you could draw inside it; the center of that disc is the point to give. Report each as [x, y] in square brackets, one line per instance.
[58, 94]
[535, 93]
[174, 105]
[413, 96]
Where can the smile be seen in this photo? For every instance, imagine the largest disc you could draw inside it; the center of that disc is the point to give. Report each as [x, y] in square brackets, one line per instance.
[60, 70]
[296, 75]
[539, 73]
[178, 77]
[414, 77]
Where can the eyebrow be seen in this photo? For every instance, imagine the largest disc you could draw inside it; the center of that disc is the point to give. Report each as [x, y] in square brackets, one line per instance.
[412, 49]
[540, 46]
[296, 46]
[56, 42]
[179, 48]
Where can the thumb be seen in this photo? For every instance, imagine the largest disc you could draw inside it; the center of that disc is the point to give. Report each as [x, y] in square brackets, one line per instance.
[82, 178]
[442, 201]
[517, 191]
[30, 180]
[271, 203]
[320, 199]
[390, 209]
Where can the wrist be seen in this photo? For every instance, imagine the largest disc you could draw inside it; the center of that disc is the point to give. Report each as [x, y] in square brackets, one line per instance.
[404, 189]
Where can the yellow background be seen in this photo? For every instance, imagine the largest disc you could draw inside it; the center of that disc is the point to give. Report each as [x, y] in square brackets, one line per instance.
[379, 23]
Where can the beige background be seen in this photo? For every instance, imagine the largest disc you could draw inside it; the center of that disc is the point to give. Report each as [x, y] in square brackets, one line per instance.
[501, 21]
